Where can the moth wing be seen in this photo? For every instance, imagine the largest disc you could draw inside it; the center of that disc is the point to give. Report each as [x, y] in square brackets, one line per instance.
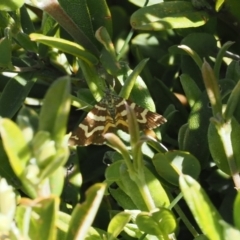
[121, 115]
[145, 118]
[90, 131]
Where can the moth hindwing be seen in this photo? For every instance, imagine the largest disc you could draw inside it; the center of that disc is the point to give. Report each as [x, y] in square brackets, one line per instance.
[110, 114]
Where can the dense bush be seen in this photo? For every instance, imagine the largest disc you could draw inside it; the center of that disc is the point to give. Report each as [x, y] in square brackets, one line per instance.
[177, 58]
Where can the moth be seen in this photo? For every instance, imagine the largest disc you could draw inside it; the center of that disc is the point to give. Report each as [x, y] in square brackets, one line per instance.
[109, 115]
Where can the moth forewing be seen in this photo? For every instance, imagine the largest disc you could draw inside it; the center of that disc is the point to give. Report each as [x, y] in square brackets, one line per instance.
[145, 118]
[109, 115]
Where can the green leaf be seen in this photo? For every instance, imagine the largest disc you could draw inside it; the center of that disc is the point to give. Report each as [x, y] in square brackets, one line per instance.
[159, 222]
[19, 155]
[232, 6]
[112, 173]
[135, 191]
[10, 5]
[232, 102]
[217, 140]
[44, 225]
[131, 79]
[203, 45]
[122, 198]
[26, 22]
[89, 16]
[84, 214]
[15, 93]
[168, 15]
[182, 135]
[95, 83]
[56, 161]
[118, 223]
[236, 210]
[191, 89]
[195, 137]
[192, 54]
[56, 181]
[100, 15]
[24, 40]
[171, 164]
[65, 46]
[212, 88]
[218, 5]
[205, 214]
[62, 223]
[43, 148]
[6, 53]
[27, 120]
[116, 143]
[219, 58]
[230, 232]
[54, 113]
[15, 145]
[233, 71]
[6, 170]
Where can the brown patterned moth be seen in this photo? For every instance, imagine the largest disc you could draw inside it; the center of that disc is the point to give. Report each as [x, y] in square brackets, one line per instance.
[110, 114]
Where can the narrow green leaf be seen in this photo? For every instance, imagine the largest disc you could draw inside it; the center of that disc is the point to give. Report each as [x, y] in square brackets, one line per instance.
[158, 222]
[122, 198]
[233, 71]
[112, 173]
[55, 162]
[168, 15]
[232, 102]
[171, 164]
[6, 53]
[140, 194]
[65, 46]
[118, 223]
[190, 88]
[14, 94]
[147, 224]
[133, 128]
[62, 222]
[132, 189]
[205, 214]
[10, 5]
[230, 232]
[54, 113]
[24, 41]
[56, 181]
[193, 54]
[43, 226]
[196, 131]
[219, 58]
[182, 135]
[47, 211]
[84, 214]
[95, 83]
[100, 15]
[26, 22]
[115, 142]
[15, 146]
[103, 37]
[43, 148]
[236, 211]
[130, 81]
[212, 88]
[27, 120]
[224, 145]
